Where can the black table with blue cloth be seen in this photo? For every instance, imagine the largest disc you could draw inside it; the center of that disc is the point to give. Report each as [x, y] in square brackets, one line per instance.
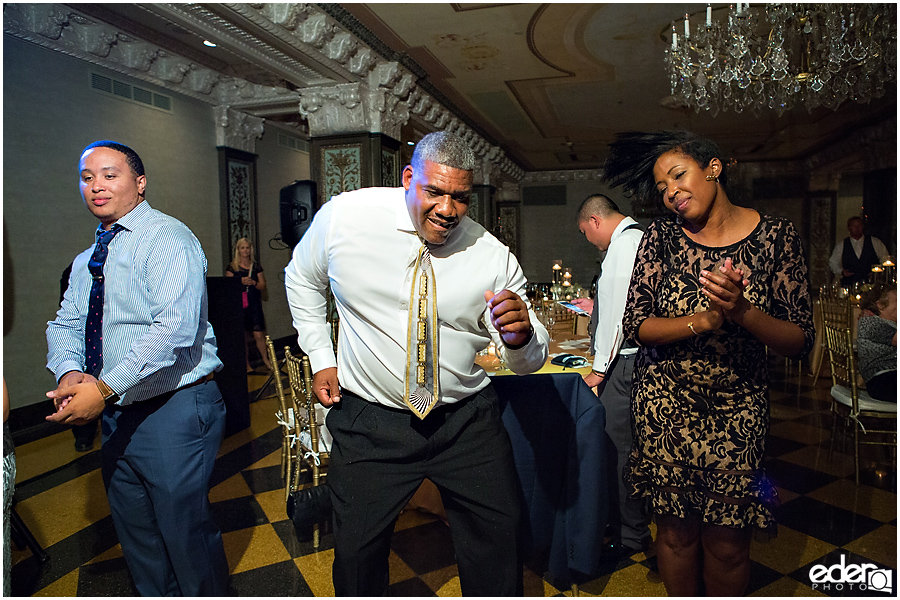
[556, 425]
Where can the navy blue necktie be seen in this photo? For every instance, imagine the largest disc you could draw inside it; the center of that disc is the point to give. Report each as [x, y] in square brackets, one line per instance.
[93, 328]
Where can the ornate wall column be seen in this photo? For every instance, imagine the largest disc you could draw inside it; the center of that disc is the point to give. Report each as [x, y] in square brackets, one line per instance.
[236, 135]
[355, 130]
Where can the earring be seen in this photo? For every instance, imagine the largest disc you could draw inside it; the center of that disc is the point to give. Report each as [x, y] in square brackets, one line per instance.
[679, 220]
[712, 178]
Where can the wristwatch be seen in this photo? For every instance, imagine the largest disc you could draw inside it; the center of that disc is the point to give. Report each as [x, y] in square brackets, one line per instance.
[109, 396]
[525, 343]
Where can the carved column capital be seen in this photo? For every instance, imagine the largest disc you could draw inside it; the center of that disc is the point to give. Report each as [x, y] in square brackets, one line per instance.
[824, 180]
[47, 20]
[236, 129]
[352, 108]
[387, 113]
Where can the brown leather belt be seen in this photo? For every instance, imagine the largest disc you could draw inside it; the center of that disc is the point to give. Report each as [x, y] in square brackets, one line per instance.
[162, 398]
[204, 379]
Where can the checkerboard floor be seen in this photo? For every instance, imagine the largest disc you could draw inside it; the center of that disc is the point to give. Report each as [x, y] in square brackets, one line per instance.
[824, 515]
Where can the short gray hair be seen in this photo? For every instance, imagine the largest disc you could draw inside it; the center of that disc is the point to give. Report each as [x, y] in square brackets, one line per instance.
[446, 149]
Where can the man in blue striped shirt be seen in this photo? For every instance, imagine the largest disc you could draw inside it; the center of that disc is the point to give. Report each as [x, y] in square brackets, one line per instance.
[163, 417]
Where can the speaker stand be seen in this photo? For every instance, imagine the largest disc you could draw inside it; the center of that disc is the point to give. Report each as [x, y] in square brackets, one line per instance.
[269, 381]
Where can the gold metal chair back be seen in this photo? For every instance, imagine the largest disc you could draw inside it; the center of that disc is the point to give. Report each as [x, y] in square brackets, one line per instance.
[308, 427]
[836, 310]
[846, 396]
[287, 420]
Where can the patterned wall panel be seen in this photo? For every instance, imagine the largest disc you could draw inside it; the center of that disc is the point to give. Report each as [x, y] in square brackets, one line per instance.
[240, 201]
[481, 205]
[821, 232]
[507, 230]
[341, 170]
[390, 168]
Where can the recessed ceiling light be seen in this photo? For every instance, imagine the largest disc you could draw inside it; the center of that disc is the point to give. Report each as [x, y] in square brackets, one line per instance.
[411, 143]
[208, 43]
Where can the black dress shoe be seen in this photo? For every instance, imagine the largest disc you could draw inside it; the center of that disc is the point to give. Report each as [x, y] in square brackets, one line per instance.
[618, 551]
[84, 445]
[309, 506]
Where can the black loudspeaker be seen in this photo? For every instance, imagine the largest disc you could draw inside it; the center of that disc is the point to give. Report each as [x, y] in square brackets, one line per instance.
[298, 203]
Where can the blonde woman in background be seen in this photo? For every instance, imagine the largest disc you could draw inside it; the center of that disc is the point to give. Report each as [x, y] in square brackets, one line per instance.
[244, 265]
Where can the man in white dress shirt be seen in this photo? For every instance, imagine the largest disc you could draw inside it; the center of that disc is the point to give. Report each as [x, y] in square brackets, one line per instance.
[619, 236]
[364, 244]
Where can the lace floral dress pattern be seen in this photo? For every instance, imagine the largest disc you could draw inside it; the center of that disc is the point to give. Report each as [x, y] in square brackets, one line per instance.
[701, 404]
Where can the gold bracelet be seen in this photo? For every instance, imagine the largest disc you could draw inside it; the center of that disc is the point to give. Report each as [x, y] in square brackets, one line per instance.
[691, 325]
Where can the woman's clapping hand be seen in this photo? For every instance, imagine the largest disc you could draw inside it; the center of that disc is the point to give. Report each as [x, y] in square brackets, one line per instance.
[725, 290]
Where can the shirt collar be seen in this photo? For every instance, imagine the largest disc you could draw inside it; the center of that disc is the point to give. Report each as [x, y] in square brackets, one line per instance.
[621, 227]
[404, 221]
[133, 217]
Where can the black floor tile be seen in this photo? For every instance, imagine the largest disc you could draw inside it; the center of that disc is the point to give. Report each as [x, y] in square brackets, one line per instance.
[28, 576]
[828, 523]
[821, 419]
[85, 463]
[809, 402]
[760, 577]
[280, 579]
[795, 477]
[106, 578]
[414, 587]
[238, 513]
[302, 544]
[265, 479]
[408, 545]
[247, 454]
[776, 446]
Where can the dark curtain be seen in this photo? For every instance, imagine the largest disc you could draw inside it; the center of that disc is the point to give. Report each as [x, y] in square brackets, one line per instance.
[880, 206]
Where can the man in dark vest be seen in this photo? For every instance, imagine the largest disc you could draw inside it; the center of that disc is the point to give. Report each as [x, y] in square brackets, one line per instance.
[853, 258]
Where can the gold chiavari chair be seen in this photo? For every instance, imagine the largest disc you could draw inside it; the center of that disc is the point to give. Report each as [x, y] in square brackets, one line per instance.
[286, 418]
[836, 309]
[851, 405]
[309, 447]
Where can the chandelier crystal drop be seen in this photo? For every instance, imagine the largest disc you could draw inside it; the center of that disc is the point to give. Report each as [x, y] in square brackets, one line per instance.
[780, 56]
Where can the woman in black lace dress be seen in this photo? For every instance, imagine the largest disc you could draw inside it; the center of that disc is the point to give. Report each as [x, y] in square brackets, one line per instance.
[244, 265]
[713, 287]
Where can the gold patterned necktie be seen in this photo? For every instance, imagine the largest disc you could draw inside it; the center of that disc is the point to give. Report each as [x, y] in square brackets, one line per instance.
[422, 379]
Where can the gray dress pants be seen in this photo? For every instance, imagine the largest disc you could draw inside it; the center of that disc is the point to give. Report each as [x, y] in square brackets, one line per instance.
[629, 519]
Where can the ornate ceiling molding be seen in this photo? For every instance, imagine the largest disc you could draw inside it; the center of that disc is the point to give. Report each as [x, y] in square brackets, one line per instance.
[237, 129]
[562, 176]
[306, 29]
[871, 148]
[242, 41]
[344, 85]
[65, 30]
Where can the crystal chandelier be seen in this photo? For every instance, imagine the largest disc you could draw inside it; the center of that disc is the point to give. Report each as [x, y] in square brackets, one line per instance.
[779, 56]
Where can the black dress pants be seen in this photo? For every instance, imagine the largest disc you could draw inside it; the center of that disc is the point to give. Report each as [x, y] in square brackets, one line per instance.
[379, 458]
